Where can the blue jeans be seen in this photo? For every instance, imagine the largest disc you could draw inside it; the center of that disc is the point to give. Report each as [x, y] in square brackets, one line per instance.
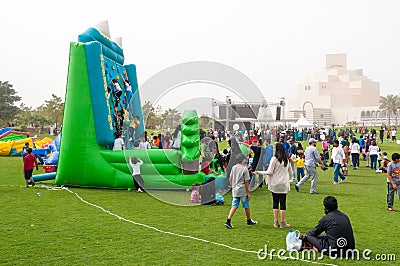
[336, 172]
[374, 158]
[311, 172]
[390, 194]
[300, 172]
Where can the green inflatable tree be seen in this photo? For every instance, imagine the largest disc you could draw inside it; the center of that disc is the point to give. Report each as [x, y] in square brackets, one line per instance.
[190, 142]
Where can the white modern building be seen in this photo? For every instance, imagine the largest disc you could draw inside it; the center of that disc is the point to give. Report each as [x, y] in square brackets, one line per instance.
[337, 95]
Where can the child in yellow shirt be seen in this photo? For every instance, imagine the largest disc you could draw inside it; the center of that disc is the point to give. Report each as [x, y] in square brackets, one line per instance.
[299, 166]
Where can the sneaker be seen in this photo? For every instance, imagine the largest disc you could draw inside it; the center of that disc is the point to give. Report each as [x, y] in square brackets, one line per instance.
[139, 190]
[251, 222]
[296, 187]
[342, 180]
[276, 224]
[292, 180]
[26, 186]
[33, 184]
[391, 209]
[314, 192]
[335, 183]
[228, 225]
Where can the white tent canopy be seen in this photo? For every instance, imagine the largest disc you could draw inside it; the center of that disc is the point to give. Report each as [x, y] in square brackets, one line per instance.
[302, 123]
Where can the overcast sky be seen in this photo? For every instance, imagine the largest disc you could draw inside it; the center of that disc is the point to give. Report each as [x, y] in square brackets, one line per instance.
[277, 44]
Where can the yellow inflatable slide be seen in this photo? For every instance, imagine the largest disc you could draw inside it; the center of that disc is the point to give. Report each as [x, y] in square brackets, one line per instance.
[6, 147]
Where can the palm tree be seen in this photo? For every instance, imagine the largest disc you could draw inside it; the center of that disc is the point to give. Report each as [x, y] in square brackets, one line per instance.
[352, 124]
[171, 117]
[390, 104]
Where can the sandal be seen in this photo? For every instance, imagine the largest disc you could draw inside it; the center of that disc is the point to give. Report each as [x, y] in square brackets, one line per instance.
[276, 224]
[284, 224]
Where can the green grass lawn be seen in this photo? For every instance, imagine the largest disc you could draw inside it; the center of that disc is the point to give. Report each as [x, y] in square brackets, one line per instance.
[57, 228]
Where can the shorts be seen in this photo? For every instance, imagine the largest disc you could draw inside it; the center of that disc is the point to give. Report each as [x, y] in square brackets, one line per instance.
[28, 174]
[245, 202]
[118, 94]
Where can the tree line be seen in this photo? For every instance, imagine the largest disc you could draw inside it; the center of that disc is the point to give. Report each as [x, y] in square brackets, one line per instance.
[23, 116]
[158, 119]
[52, 110]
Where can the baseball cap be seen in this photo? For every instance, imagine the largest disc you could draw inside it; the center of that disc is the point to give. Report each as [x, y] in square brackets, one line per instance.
[311, 140]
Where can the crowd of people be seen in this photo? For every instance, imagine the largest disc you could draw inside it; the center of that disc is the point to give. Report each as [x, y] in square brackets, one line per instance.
[286, 162]
[385, 134]
[279, 173]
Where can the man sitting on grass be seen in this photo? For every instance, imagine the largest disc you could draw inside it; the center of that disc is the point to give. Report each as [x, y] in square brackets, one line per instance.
[339, 232]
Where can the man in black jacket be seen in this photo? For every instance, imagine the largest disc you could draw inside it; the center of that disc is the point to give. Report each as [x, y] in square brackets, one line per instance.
[339, 233]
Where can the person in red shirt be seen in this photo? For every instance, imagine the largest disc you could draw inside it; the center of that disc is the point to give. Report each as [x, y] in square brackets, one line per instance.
[247, 140]
[29, 163]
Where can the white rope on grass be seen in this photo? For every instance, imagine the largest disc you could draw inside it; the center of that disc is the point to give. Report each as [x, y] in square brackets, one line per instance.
[176, 234]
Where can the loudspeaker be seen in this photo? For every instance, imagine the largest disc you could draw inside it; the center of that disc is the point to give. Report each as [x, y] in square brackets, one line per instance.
[278, 113]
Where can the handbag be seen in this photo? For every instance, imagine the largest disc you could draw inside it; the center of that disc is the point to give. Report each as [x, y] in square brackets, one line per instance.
[293, 241]
[306, 245]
